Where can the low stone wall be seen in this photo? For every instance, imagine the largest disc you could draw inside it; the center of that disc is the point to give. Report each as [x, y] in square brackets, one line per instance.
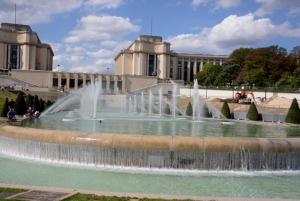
[151, 151]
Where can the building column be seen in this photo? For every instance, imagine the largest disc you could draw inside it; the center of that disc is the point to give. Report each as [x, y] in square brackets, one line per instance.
[59, 80]
[195, 67]
[189, 70]
[68, 81]
[201, 65]
[175, 67]
[107, 83]
[214, 62]
[92, 77]
[76, 80]
[123, 84]
[221, 62]
[25, 57]
[116, 90]
[83, 80]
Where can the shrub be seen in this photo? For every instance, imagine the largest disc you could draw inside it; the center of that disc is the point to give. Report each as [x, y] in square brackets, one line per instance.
[253, 113]
[189, 110]
[225, 110]
[36, 103]
[48, 103]
[293, 115]
[167, 109]
[29, 100]
[5, 108]
[21, 107]
[205, 111]
[42, 105]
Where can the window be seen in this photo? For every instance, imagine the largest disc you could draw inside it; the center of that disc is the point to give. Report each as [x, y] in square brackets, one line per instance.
[80, 82]
[55, 82]
[198, 67]
[171, 72]
[179, 70]
[192, 71]
[185, 71]
[72, 83]
[14, 57]
[152, 65]
[63, 82]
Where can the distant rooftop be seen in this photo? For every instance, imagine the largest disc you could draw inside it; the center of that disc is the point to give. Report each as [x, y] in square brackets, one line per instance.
[150, 38]
[15, 27]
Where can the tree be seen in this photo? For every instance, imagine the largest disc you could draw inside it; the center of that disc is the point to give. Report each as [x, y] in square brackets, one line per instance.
[213, 75]
[42, 105]
[205, 111]
[189, 110]
[5, 108]
[167, 109]
[29, 100]
[253, 113]
[36, 103]
[225, 110]
[21, 107]
[48, 103]
[293, 115]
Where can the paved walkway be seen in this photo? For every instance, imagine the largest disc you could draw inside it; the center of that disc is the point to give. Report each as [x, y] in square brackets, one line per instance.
[37, 193]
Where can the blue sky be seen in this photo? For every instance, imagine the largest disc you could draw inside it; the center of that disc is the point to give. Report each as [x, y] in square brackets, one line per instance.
[86, 34]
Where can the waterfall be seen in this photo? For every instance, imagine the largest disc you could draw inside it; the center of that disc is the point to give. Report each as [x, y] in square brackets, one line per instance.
[195, 98]
[241, 159]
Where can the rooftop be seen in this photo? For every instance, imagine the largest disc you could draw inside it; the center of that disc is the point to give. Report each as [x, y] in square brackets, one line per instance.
[15, 27]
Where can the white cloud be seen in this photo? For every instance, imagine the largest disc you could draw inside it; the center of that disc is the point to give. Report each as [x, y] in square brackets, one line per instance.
[93, 44]
[218, 3]
[104, 3]
[269, 6]
[37, 11]
[233, 32]
[96, 28]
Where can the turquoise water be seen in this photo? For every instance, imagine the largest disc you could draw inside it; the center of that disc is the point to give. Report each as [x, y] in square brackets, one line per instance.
[162, 126]
[24, 172]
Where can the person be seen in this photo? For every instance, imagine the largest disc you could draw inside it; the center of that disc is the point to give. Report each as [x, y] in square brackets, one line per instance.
[11, 115]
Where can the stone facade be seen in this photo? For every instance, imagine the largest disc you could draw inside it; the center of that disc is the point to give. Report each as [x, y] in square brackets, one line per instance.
[151, 56]
[21, 48]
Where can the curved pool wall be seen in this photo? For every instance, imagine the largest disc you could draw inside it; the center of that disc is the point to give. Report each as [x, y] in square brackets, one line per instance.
[151, 151]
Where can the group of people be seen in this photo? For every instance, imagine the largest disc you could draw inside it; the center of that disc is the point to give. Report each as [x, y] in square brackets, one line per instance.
[31, 112]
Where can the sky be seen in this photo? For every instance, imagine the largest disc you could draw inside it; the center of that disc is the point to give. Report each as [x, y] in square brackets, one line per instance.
[86, 35]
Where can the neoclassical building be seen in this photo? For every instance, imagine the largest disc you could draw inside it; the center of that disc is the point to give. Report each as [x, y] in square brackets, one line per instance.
[21, 48]
[151, 56]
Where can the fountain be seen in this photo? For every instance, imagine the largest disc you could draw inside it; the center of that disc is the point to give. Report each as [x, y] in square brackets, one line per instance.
[136, 135]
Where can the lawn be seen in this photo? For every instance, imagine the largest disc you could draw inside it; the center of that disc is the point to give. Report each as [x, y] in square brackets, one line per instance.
[4, 95]
[90, 197]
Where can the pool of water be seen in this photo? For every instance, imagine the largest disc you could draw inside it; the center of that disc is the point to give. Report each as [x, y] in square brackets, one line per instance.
[141, 124]
[234, 184]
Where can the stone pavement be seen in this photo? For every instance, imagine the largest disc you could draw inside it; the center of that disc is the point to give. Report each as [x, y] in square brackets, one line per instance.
[37, 193]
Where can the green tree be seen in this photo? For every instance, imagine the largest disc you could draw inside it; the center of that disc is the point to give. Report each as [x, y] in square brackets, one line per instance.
[42, 105]
[189, 110]
[29, 100]
[213, 75]
[205, 111]
[225, 110]
[21, 107]
[5, 108]
[36, 103]
[293, 115]
[48, 103]
[253, 113]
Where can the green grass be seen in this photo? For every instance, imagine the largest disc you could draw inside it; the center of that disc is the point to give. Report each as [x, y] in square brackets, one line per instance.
[90, 197]
[12, 190]
[4, 95]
